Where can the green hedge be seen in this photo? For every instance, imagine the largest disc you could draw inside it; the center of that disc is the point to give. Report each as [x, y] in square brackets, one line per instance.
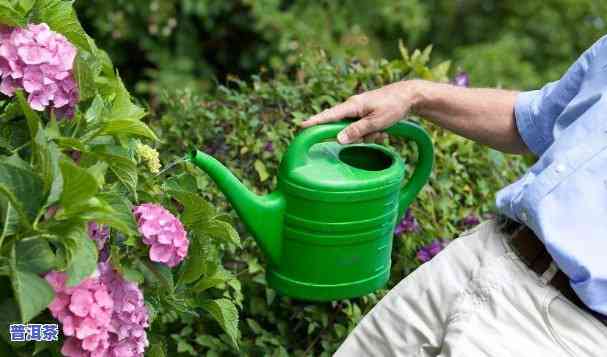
[248, 126]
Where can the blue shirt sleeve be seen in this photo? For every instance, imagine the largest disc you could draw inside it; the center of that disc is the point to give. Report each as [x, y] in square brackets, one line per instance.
[537, 111]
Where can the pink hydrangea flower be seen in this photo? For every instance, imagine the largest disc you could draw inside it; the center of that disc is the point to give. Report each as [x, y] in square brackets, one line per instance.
[130, 316]
[163, 232]
[103, 316]
[85, 312]
[40, 61]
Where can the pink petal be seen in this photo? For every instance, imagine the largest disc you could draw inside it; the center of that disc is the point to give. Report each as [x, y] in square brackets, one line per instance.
[161, 253]
[80, 302]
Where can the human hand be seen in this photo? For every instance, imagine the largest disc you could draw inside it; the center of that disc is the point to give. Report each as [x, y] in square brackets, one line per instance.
[377, 109]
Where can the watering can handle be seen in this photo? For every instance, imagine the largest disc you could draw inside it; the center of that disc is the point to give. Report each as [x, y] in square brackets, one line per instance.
[408, 130]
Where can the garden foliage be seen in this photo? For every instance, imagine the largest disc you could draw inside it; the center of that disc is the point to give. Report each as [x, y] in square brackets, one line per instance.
[64, 179]
[509, 43]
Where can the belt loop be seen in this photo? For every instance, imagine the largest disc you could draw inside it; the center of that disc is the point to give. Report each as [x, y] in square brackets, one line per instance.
[549, 274]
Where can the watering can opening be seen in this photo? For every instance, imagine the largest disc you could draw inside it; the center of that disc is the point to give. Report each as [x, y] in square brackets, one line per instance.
[365, 158]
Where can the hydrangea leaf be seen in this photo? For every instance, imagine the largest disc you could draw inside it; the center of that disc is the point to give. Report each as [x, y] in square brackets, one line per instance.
[196, 209]
[78, 184]
[79, 250]
[126, 127]
[225, 313]
[193, 268]
[221, 276]
[222, 231]
[100, 211]
[34, 255]
[61, 18]
[122, 106]
[9, 219]
[10, 16]
[86, 70]
[33, 293]
[22, 188]
[124, 169]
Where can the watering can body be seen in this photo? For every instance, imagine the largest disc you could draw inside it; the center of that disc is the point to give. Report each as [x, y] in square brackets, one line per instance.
[327, 230]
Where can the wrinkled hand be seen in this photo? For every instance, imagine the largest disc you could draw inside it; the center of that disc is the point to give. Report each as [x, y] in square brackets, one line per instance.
[377, 109]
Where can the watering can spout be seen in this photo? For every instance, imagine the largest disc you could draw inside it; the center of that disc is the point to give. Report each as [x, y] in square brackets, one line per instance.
[262, 215]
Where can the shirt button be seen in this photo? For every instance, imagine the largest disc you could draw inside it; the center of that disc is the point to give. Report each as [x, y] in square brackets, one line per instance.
[559, 168]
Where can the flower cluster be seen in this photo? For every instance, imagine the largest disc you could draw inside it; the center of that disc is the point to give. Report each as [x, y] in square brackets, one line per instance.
[85, 311]
[41, 62]
[407, 225]
[429, 251]
[129, 318]
[150, 156]
[103, 316]
[163, 232]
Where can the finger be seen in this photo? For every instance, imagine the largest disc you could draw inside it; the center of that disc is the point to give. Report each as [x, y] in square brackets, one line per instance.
[358, 129]
[347, 109]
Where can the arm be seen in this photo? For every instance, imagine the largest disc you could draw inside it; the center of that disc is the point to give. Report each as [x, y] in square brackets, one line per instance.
[482, 115]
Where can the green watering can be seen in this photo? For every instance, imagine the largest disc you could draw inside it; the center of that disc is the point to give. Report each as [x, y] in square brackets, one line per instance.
[327, 230]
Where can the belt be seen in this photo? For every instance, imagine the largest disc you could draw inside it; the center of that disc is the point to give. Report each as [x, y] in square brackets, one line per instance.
[533, 252]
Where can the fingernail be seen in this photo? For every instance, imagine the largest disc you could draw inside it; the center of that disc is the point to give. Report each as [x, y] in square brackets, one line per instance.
[342, 137]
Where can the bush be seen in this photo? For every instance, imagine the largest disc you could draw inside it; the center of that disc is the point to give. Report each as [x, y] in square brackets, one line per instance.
[248, 126]
[68, 186]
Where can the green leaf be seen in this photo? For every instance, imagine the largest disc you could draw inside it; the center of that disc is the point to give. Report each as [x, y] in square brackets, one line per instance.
[78, 184]
[124, 169]
[23, 188]
[222, 231]
[61, 17]
[86, 69]
[126, 126]
[10, 16]
[226, 314]
[81, 252]
[156, 350]
[32, 293]
[193, 267]
[123, 107]
[34, 255]
[122, 210]
[46, 155]
[221, 276]
[261, 170]
[98, 210]
[196, 209]
[9, 314]
[8, 218]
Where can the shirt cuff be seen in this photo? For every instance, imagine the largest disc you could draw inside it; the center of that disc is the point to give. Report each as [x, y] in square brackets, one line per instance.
[527, 129]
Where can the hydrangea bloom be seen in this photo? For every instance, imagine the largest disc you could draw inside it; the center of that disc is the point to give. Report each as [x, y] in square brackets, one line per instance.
[407, 225]
[103, 316]
[39, 61]
[129, 318]
[85, 311]
[461, 79]
[150, 156]
[163, 232]
[429, 251]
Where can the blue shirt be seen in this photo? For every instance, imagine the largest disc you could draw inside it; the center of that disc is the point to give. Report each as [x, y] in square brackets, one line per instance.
[563, 196]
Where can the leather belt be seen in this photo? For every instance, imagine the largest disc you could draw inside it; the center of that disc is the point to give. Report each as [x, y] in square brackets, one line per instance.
[533, 252]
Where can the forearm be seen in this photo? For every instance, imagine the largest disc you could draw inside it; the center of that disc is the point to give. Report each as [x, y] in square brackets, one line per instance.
[483, 115]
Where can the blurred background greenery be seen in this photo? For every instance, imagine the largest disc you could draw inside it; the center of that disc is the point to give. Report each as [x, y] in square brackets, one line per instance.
[179, 43]
[234, 77]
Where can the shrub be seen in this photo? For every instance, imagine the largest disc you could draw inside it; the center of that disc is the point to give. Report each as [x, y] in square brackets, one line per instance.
[68, 185]
[248, 126]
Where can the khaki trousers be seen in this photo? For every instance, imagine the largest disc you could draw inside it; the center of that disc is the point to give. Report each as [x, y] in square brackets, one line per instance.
[476, 298]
